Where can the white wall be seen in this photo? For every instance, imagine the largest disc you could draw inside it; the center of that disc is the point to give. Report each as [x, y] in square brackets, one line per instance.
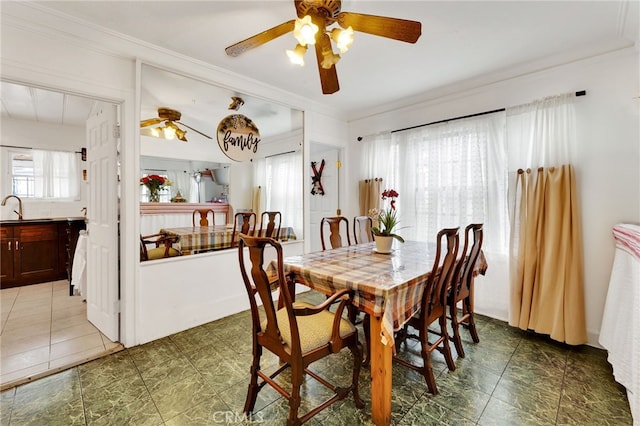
[607, 165]
[186, 291]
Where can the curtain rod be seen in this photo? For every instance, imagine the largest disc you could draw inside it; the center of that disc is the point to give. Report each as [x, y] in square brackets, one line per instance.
[280, 153]
[578, 93]
[28, 147]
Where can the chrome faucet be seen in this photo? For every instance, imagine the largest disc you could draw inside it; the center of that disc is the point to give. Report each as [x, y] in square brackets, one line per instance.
[19, 212]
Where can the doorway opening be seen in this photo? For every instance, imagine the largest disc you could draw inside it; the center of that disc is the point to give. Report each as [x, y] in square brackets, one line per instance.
[45, 328]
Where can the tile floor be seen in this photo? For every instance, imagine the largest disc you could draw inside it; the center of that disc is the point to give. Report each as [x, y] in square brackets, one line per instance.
[200, 376]
[43, 329]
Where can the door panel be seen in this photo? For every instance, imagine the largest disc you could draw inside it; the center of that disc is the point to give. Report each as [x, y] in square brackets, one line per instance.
[327, 204]
[102, 248]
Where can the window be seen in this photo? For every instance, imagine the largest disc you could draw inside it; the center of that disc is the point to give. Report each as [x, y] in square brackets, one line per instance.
[280, 176]
[447, 175]
[22, 180]
[42, 174]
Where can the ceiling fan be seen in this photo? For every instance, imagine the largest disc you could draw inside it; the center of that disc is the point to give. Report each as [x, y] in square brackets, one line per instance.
[311, 27]
[170, 130]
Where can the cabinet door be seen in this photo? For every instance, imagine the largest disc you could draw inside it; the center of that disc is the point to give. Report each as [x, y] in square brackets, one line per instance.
[7, 248]
[38, 257]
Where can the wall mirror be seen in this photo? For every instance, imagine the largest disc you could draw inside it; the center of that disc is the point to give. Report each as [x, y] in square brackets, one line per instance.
[201, 175]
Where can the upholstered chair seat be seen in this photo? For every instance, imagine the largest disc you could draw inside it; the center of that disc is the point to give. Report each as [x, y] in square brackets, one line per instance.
[315, 330]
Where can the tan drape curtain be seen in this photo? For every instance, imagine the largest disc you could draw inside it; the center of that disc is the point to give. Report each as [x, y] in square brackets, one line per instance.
[548, 280]
[255, 201]
[369, 192]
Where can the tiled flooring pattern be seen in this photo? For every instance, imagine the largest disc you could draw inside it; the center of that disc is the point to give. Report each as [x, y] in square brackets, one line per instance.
[43, 329]
[200, 377]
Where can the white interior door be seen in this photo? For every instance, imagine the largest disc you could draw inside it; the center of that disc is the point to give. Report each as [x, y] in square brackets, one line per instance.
[327, 204]
[102, 248]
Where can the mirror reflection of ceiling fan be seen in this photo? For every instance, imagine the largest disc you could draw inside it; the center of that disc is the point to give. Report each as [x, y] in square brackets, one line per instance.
[169, 130]
[311, 28]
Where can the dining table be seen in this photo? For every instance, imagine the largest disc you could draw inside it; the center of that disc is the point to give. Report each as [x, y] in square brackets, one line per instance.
[200, 239]
[388, 287]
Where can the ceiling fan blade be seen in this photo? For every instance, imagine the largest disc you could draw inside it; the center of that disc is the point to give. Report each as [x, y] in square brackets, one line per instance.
[260, 39]
[328, 76]
[197, 131]
[394, 28]
[151, 122]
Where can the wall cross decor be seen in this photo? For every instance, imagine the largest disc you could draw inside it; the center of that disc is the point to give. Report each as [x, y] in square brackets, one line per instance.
[316, 188]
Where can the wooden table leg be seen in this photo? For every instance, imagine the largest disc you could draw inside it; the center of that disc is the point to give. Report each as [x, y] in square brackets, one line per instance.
[381, 373]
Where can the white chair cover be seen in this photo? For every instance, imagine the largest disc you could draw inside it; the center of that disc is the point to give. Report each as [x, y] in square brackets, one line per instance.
[79, 271]
[620, 330]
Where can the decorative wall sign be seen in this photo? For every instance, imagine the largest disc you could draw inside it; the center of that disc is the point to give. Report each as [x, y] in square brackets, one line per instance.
[317, 188]
[238, 137]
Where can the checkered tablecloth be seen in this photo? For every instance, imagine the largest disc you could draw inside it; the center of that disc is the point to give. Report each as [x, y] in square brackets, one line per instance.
[386, 285]
[194, 239]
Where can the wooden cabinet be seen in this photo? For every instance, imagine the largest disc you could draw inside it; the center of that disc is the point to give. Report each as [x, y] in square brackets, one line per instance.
[33, 252]
[7, 247]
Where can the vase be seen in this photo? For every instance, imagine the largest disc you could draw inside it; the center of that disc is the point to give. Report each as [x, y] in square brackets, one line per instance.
[383, 243]
[154, 196]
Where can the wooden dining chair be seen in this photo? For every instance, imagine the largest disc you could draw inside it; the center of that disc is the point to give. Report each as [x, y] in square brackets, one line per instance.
[161, 246]
[270, 223]
[298, 334]
[338, 228]
[202, 216]
[462, 287]
[433, 308]
[362, 229]
[247, 222]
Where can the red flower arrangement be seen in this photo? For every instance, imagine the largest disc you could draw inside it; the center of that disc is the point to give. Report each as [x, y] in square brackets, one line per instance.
[387, 219]
[154, 183]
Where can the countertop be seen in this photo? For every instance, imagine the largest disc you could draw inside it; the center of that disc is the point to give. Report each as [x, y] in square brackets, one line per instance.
[40, 220]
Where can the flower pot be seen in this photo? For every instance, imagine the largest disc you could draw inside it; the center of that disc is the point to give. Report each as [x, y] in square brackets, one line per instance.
[383, 243]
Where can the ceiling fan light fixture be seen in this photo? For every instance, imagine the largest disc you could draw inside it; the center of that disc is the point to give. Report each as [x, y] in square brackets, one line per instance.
[329, 59]
[305, 31]
[169, 131]
[296, 56]
[342, 38]
[181, 135]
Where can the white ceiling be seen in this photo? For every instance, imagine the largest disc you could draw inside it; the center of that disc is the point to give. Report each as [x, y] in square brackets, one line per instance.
[463, 43]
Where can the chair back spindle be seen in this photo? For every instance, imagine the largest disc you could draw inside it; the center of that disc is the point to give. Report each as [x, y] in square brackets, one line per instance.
[202, 216]
[247, 221]
[338, 228]
[362, 229]
[270, 223]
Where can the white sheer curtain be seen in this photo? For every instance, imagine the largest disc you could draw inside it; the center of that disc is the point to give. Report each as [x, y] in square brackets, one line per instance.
[280, 177]
[376, 157]
[182, 180]
[447, 175]
[56, 175]
[540, 134]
